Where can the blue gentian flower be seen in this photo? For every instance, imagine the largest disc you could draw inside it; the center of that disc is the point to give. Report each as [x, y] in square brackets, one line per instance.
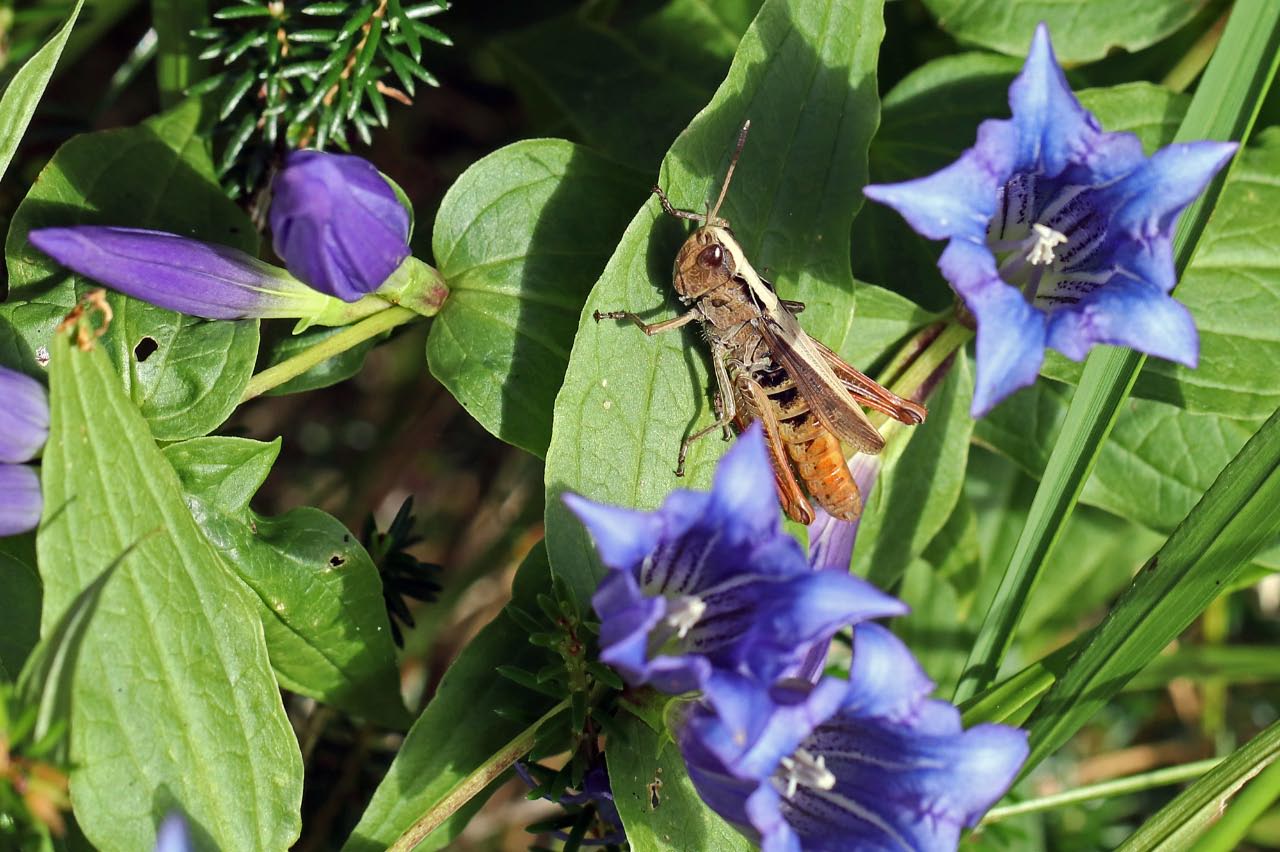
[337, 223]
[20, 499]
[24, 417]
[712, 580]
[181, 274]
[864, 764]
[173, 835]
[1060, 234]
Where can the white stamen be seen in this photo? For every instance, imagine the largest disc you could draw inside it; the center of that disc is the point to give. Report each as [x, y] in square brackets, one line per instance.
[1046, 238]
[683, 613]
[808, 770]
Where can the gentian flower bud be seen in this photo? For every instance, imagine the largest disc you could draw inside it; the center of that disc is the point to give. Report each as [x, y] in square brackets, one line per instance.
[1059, 234]
[337, 223]
[20, 499]
[24, 417]
[189, 276]
[173, 835]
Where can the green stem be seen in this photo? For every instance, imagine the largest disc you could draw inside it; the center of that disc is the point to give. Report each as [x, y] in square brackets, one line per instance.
[1184, 73]
[469, 786]
[922, 367]
[1106, 789]
[1228, 832]
[291, 368]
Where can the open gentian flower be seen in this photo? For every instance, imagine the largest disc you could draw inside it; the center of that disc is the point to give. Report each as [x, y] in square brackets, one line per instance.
[712, 580]
[24, 417]
[1060, 234]
[181, 274]
[867, 763]
[337, 223]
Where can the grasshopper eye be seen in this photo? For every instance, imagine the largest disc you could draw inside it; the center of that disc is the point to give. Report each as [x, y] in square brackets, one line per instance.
[712, 256]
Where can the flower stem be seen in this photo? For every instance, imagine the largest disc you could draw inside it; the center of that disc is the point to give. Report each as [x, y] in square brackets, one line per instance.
[468, 786]
[1184, 73]
[916, 368]
[291, 368]
[1106, 789]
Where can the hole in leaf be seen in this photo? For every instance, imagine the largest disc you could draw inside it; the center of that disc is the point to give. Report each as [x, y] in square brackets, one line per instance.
[145, 349]
[336, 560]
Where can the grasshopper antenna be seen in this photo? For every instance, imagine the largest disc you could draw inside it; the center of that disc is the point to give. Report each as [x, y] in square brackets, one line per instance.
[728, 176]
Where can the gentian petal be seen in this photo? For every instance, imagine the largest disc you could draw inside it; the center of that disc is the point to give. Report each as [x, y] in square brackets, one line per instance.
[885, 680]
[181, 274]
[1129, 313]
[24, 417]
[20, 499]
[1053, 129]
[743, 498]
[961, 198]
[623, 536]
[337, 223]
[173, 835]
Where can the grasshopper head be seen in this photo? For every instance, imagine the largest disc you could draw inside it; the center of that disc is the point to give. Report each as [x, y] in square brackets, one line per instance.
[705, 262]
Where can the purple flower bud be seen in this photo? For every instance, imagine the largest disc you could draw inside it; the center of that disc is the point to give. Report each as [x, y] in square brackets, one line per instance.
[20, 500]
[173, 836]
[24, 417]
[337, 223]
[181, 274]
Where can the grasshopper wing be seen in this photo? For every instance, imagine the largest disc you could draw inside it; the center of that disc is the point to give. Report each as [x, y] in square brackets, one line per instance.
[868, 391]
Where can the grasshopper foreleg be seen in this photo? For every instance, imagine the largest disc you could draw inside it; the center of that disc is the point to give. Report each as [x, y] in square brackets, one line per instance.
[726, 409]
[649, 328]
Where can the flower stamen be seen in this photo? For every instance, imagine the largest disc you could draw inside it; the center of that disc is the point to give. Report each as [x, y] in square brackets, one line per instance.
[803, 768]
[1046, 239]
[683, 613]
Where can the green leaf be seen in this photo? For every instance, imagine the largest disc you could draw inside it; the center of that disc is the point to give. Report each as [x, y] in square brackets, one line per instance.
[1178, 824]
[185, 375]
[1232, 288]
[805, 74]
[627, 87]
[660, 809]
[174, 704]
[1083, 30]
[919, 484]
[319, 593]
[519, 239]
[46, 681]
[1225, 104]
[20, 628]
[461, 729]
[1160, 459]
[26, 87]
[1234, 519]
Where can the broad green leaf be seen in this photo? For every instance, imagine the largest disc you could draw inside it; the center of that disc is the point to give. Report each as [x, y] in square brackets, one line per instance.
[185, 375]
[919, 484]
[175, 704]
[1160, 459]
[626, 87]
[26, 87]
[1237, 515]
[461, 728]
[519, 239]
[1083, 30]
[1232, 288]
[660, 809]
[805, 75]
[20, 627]
[1177, 825]
[1224, 106]
[319, 593]
[47, 679]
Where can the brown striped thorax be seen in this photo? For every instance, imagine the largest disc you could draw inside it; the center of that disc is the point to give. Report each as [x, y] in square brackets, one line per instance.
[807, 399]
